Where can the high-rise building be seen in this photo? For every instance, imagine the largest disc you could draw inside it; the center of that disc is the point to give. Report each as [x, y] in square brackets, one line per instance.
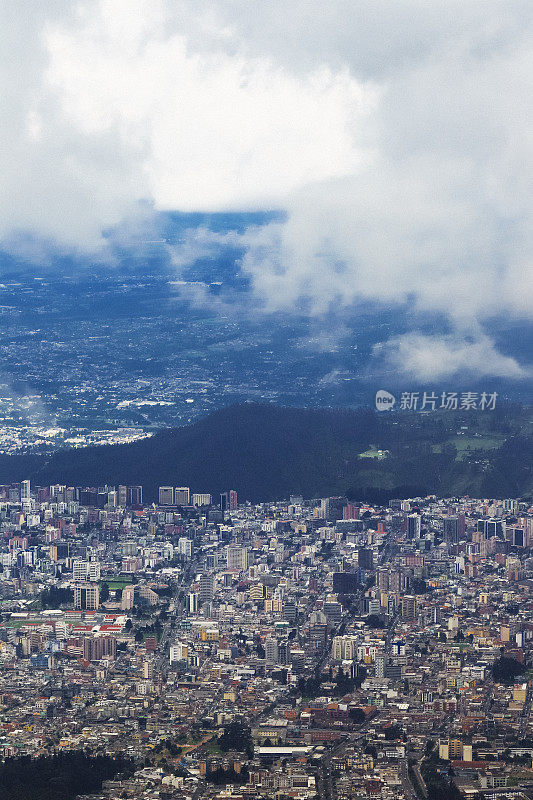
[185, 547]
[207, 588]
[334, 508]
[97, 648]
[228, 500]
[178, 652]
[192, 603]
[333, 611]
[237, 557]
[365, 558]
[408, 607]
[87, 596]
[182, 496]
[25, 492]
[86, 571]
[318, 634]
[166, 496]
[201, 499]
[350, 511]
[451, 530]
[271, 650]
[135, 495]
[345, 582]
[492, 528]
[122, 496]
[344, 648]
[128, 597]
[414, 524]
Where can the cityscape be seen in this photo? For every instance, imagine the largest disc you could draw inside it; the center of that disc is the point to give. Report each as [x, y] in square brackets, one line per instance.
[310, 648]
[266, 400]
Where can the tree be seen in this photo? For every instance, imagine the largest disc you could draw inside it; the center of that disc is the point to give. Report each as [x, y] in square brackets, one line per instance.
[393, 732]
[375, 621]
[236, 736]
[129, 625]
[506, 669]
[357, 716]
[104, 592]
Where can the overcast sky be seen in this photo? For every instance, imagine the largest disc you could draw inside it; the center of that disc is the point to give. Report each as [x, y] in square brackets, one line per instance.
[395, 134]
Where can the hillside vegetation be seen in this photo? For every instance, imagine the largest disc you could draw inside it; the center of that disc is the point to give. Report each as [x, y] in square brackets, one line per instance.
[267, 452]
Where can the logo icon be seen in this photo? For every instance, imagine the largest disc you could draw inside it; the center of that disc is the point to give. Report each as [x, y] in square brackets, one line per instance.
[384, 400]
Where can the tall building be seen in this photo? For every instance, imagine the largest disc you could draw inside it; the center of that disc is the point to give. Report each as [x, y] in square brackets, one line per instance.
[86, 571]
[334, 508]
[346, 582]
[228, 500]
[166, 496]
[178, 652]
[25, 492]
[135, 495]
[207, 588]
[365, 558]
[271, 650]
[237, 557]
[492, 528]
[192, 603]
[185, 547]
[408, 607]
[451, 530]
[350, 511]
[414, 525]
[95, 649]
[87, 596]
[128, 597]
[318, 631]
[201, 499]
[182, 496]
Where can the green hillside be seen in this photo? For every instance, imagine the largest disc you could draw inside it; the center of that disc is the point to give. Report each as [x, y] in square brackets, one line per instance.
[267, 452]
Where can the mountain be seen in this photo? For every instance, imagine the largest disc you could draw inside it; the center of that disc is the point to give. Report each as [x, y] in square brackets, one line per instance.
[267, 452]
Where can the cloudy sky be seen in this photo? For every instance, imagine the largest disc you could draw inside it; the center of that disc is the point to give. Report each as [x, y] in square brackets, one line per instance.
[394, 134]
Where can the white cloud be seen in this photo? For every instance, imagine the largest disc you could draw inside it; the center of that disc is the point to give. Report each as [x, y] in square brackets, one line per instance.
[107, 104]
[395, 135]
[427, 358]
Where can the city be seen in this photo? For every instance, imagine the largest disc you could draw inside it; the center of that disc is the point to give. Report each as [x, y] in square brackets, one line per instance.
[317, 648]
[266, 400]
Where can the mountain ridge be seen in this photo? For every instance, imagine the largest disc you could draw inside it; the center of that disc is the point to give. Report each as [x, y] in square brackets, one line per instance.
[267, 452]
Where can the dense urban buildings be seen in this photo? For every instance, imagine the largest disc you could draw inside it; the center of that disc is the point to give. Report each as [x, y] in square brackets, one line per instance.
[309, 648]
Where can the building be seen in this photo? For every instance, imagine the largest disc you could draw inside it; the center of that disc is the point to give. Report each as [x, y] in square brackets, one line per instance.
[86, 596]
[166, 496]
[257, 592]
[271, 650]
[237, 557]
[83, 571]
[414, 526]
[207, 588]
[408, 607]
[128, 597]
[97, 648]
[365, 558]
[344, 648]
[345, 582]
[182, 496]
[178, 652]
[192, 603]
[25, 492]
[350, 511]
[228, 500]
[454, 750]
[201, 499]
